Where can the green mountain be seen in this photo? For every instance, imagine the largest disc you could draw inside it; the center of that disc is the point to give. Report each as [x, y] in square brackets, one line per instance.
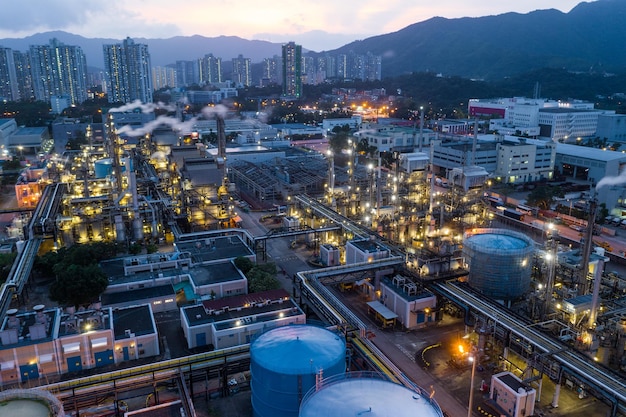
[589, 37]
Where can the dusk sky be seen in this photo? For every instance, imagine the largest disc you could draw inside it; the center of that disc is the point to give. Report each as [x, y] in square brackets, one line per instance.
[317, 25]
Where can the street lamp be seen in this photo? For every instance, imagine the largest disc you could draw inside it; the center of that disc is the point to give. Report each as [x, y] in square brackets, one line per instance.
[472, 358]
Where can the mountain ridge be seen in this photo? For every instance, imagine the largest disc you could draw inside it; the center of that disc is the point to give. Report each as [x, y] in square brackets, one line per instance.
[489, 47]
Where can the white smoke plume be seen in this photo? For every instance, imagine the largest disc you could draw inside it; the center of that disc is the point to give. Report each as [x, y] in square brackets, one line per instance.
[619, 179]
[172, 122]
[145, 107]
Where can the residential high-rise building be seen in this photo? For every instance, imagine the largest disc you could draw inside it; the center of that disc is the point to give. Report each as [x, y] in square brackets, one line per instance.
[374, 66]
[58, 69]
[330, 65]
[210, 69]
[342, 67]
[128, 72]
[23, 74]
[292, 70]
[163, 77]
[271, 70]
[187, 73]
[242, 71]
[8, 78]
[309, 70]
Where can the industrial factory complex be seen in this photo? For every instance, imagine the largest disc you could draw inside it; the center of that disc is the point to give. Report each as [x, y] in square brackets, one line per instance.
[396, 248]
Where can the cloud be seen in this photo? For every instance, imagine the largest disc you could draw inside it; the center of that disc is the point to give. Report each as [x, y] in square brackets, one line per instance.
[316, 40]
[93, 19]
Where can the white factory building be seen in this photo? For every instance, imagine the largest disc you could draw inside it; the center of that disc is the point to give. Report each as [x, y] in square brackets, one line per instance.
[237, 320]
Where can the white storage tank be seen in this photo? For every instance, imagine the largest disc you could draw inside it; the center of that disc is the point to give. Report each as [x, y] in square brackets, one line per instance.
[285, 362]
[358, 394]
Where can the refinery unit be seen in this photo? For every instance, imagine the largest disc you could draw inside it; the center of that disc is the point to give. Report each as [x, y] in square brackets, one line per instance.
[399, 236]
[135, 193]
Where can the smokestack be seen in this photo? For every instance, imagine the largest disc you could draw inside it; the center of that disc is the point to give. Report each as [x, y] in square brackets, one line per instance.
[221, 137]
[595, 298]
[584, 265]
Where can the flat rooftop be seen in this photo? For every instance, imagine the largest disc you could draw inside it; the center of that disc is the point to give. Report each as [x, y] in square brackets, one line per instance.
[20, 325]
[512, 382]
[402, 293]
[231, 309]
[368, 245]
[209, 274]
[114, 269]
[211, 249]
[137, 319]
[138, 295]
[72, 324]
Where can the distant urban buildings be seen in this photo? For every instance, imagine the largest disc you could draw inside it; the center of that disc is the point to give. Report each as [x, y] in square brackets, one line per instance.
[561, 121]
[43, 73]
[242, 71]
[58, 70]
[57, 73]
[292, 70]
[128, 72]
[8, 78]
[210, 69]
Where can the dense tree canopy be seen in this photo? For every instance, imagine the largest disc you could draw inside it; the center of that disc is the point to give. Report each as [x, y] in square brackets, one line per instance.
[77, 285]
[79, 279]
[244, 264]
[261, 277]
[6, 262]
[543, 196]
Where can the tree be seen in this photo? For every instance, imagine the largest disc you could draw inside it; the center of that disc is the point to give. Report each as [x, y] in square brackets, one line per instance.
[260, 280]
[542, 197]
[243, 264]
[77, 285]
[135, 249]
[6, 262]
[79, 279]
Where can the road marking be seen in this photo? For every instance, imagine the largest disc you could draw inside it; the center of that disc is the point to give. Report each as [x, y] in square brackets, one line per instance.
[406, 352]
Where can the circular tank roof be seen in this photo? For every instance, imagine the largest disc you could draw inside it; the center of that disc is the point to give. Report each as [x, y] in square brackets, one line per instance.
[498, 241]
[297, 349]
[368, 397]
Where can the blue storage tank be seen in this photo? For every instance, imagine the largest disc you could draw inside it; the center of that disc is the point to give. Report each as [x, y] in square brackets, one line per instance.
[284, 363]
[103, 168]
[366, 394]
[500, 262]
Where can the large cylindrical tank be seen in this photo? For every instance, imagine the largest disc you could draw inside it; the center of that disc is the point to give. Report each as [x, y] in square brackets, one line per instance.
[31, 402]
[500, 262]
[138, 228]
[284, 363]
[120, 231]
[103, 167]
[354, 395]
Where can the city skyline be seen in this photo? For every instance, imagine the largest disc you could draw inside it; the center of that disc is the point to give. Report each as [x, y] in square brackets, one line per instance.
[326, 26]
